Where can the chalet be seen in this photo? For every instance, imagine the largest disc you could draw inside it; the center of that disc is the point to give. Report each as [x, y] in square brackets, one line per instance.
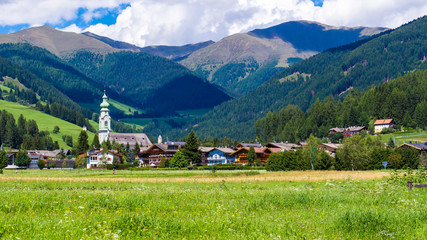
[284, 146]
[330, 148]
[205, 154]
[421, 147]
[380, 124]
[152, 156]
[220, 156]
[11, 162]
[262, 153]
[97, 157]
[349, 131]
[247, 145]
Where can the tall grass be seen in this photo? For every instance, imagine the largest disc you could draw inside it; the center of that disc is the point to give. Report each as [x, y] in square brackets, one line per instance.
[345, 209]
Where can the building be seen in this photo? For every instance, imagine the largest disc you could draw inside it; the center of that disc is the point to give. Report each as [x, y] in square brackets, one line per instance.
[205, 154]
[420, 147]
[262, 153]
[105, 133]
[284, 146]
[152, 156]
[349, 131]
[220, 156]
[247, 145]
[96, 157]
[380, 124]
[330, 148]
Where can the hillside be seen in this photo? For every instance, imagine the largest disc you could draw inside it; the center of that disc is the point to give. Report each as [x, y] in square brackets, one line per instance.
[55, 41]
[359, 65]
[157, 85]
[233, 59]
[170, 52]
[46, 122]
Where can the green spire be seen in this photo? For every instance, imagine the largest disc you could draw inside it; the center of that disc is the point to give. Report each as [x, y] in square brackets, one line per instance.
[104, 105]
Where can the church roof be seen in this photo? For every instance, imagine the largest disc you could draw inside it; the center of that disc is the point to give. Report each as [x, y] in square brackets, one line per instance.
[131, 138]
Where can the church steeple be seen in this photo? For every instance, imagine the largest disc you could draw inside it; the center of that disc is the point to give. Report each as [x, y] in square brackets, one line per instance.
[104, 120]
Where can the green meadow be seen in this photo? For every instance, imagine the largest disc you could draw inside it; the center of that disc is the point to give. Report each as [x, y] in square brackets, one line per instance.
[46, 122]
[34, 205]
[406, 136]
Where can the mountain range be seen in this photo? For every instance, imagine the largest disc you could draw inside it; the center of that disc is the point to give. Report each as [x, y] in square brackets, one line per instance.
[334, 72]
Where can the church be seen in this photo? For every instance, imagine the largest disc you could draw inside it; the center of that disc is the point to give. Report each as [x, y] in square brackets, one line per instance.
[105, 134]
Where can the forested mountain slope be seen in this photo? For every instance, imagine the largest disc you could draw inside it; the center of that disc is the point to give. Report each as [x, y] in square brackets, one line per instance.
[153, 83]
[231, 61]
[359, 65]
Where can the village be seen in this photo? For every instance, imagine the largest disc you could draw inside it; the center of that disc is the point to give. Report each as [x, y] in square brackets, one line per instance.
[144, 154]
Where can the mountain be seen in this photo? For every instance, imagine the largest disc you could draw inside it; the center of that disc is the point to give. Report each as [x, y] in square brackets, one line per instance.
[230, 61]
[81, 67]
[359, 65]
[149, 81]
[170, 52]
[55, 41]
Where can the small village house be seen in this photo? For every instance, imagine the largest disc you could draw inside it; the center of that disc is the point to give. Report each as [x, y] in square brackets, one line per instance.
[420, 147]
[97, 157]
[247, 145]
[220, 156]
[284, 146]
[380, 124]
[349, 131]
[262, 153]
[330, 148]
[155, 153]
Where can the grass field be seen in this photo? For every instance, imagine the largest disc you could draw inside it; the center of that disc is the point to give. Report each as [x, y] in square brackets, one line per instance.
[58, 204]
[402, 137]
[46, 122]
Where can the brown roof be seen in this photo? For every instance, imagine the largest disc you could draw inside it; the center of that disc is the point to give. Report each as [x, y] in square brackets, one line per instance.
[383, 121]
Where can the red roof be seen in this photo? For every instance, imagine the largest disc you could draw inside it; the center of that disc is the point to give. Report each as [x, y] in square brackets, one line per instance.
[383, 121]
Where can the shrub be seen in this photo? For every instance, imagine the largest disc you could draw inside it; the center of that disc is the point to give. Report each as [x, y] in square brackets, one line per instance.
[41, 164]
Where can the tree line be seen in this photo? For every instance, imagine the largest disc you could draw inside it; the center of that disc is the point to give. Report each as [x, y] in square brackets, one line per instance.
[23, 133]
[403, 99]
[359, 152]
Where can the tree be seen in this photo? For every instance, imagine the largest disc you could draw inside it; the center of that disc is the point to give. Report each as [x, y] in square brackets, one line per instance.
[80, 162]
[64, 164]
[178, 160]
[82, 143]
[41, 164]
[22, 159]
[251, 156]
[3, 161]
[191, 149]
[56, 129]
[390, 143]
[95, 142]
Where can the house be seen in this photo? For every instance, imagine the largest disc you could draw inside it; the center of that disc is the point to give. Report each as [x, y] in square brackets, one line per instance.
[330, 148]
[380, 124]
[421, 147]
[284, 146]
[247, 145]
[349, 131]
[205, 154]
[261, 153]
[220, 156]
[152, 156]
[11, 162]
[97, 157]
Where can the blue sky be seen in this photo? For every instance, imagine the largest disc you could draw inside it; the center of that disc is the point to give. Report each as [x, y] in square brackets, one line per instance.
[178, 22]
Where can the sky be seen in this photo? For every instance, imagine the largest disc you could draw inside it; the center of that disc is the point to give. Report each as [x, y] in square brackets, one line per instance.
[179, 22]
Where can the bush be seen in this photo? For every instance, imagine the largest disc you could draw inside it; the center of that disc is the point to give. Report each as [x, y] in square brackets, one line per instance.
[52, 164]
[41, 164]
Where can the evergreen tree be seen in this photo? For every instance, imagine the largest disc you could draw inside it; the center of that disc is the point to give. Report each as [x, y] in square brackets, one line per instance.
[82, 143]
[3, 161]
[390, 143]
[251, 156]
[95, 142]
[22, 159]
[191, 149]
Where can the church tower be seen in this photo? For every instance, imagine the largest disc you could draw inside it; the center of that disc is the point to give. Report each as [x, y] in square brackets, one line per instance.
[104, 121]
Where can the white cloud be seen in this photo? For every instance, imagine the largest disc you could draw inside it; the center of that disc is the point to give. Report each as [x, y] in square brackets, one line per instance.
[177, 22]
[72, 28]
[147, 22]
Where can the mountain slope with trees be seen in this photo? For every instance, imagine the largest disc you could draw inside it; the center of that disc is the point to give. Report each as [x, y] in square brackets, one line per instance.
[237, 57]
[359, 65]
